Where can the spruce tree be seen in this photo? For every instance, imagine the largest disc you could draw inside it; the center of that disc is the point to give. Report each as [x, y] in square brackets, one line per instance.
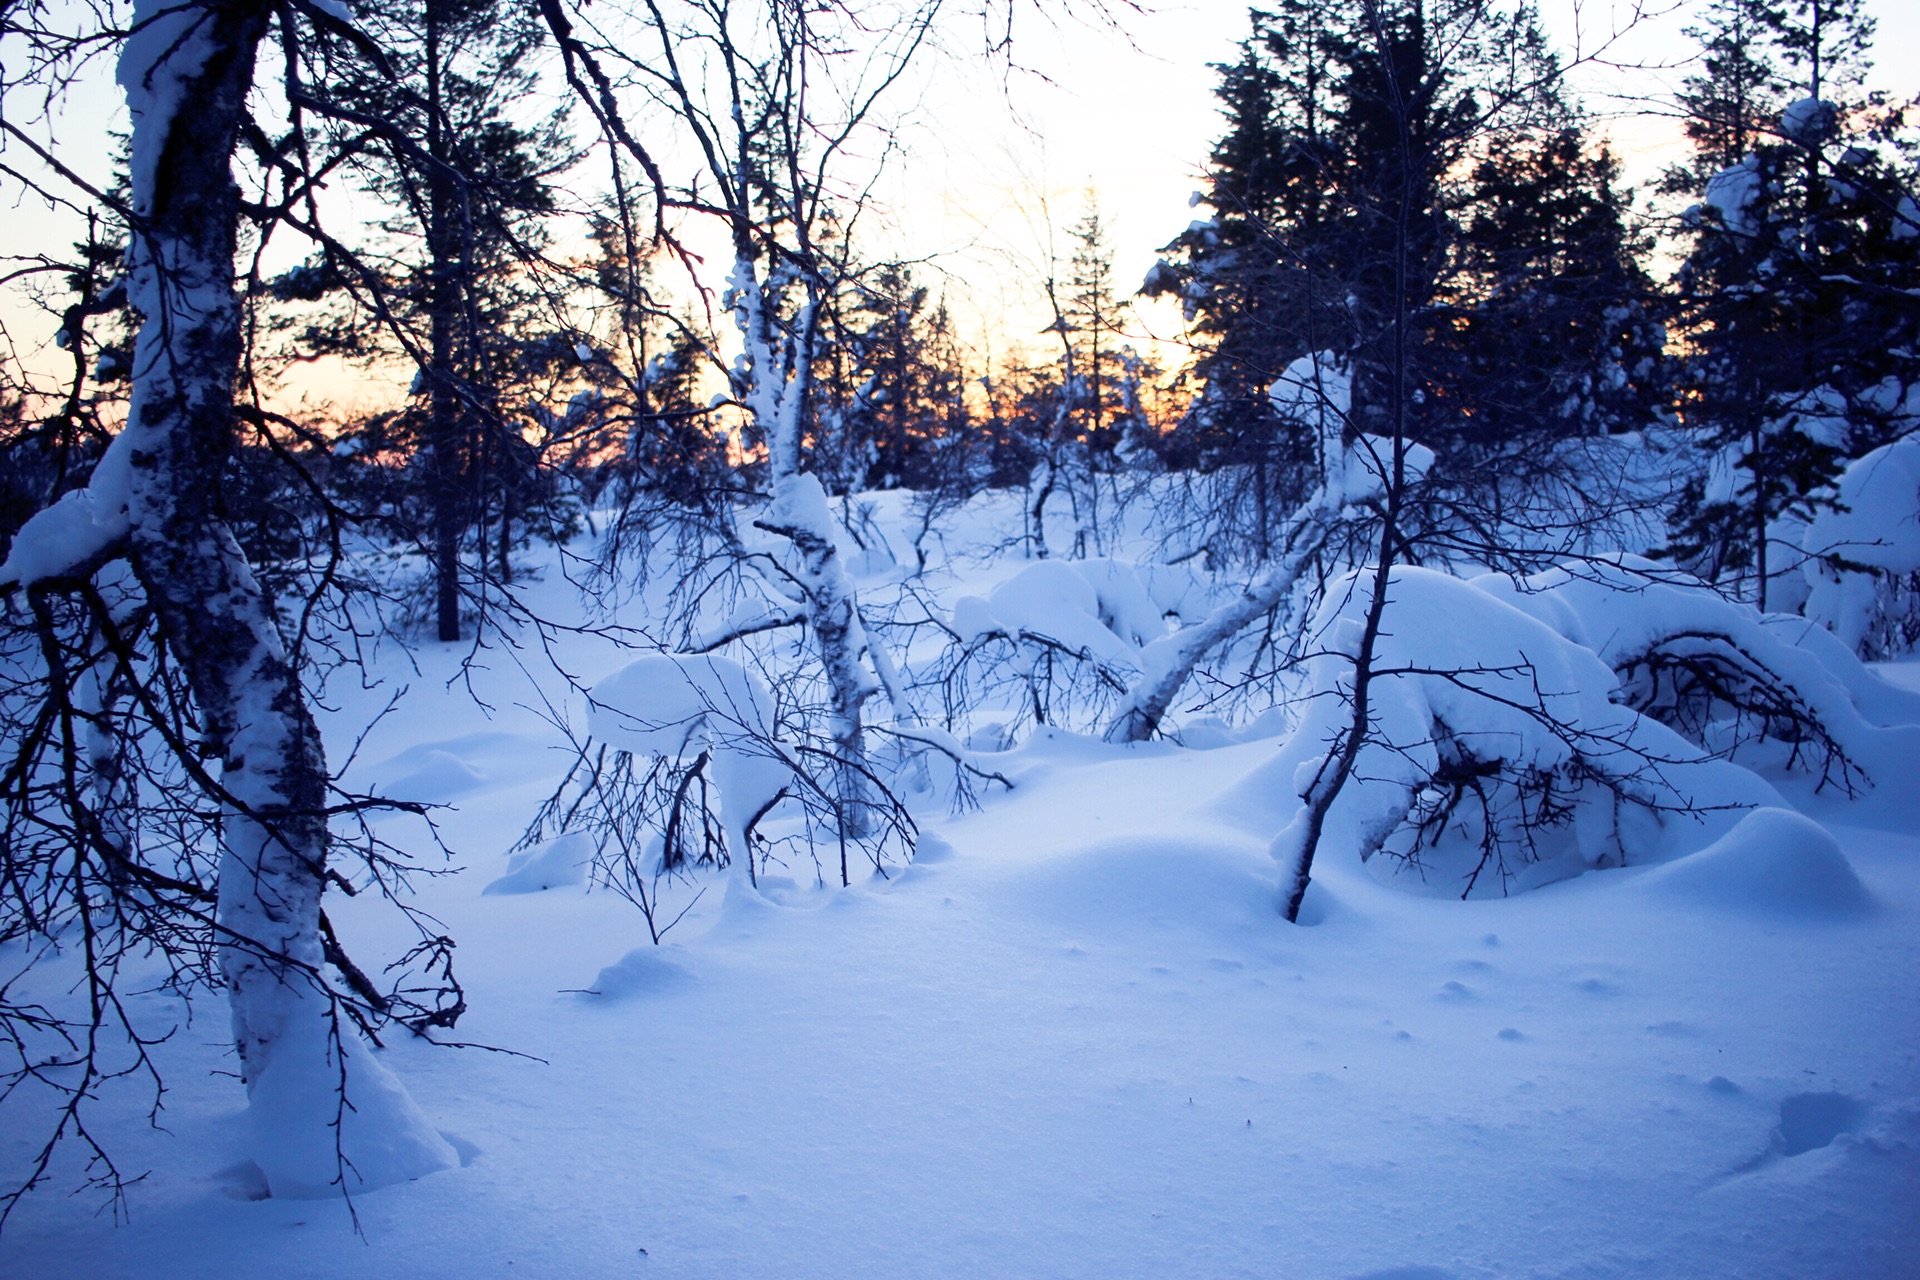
[1794, 253]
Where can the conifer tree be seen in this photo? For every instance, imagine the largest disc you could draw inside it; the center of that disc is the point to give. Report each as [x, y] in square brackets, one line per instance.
[1794, 249]
[468, 189]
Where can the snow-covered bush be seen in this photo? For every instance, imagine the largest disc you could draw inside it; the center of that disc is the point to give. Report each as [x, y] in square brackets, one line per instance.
[1863, 554]
[1499, 752]
[1062, 640]
[1763, 690]
[685, 759]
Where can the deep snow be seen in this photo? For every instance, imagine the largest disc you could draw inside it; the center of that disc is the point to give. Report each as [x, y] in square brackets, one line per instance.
[1075, 1039]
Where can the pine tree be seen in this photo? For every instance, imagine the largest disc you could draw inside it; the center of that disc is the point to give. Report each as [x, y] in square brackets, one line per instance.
[1259, 279]
[468, 187]
[1554, 328]
[1091, 314]
[1732, 103]
[1789, 257]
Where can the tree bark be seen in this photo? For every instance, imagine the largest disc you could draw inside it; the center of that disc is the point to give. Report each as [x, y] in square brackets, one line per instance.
[446, 244]
[188, 73]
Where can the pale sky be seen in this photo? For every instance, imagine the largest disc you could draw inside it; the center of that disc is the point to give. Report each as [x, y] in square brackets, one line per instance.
[1129, 114]
[1134, 117]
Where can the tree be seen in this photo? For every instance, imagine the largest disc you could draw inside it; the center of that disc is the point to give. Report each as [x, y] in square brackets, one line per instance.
[1259, 280]
[1552, 329]
[168, 788]
[425, 129]
[1793, 246]
[771, 118]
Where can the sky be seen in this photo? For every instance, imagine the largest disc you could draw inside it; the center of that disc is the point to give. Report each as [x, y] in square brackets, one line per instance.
[995, 165]
[1131, 115]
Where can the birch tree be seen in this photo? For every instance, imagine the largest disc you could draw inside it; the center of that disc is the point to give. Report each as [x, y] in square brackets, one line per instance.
[775, 96]
[184, 659]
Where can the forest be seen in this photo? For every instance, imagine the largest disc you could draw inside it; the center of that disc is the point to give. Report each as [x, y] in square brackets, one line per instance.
[572, 702]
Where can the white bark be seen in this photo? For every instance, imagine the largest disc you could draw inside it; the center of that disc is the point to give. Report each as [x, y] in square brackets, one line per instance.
[1167, 663]
[779, 371]
[187, 76]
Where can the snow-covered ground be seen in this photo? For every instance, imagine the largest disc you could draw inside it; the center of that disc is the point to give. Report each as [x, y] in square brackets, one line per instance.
[1074, 1038]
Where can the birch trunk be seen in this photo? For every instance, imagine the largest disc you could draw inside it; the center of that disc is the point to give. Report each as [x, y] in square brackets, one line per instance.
[187, 73]
[776, 394]
[1168, 662]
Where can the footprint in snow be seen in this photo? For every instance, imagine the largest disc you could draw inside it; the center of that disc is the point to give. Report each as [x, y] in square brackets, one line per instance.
[1808, 1122]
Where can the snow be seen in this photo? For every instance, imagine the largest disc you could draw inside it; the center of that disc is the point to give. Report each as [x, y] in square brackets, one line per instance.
[550, 864]
[1073, 1037]
[1809, 121]
[1876, 525]
[673, 706]
[1096, 607]
[1773, 863]
[1731, 194]
[61, 538]
[322, 1070]
[167, 47]
[1462, 674]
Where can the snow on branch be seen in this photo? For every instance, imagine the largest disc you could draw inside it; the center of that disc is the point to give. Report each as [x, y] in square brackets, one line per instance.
[1497, 754]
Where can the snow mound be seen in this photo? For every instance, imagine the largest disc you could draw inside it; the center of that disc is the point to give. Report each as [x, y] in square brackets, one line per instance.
[1774, 862]
[1723, 675]
[64, 536]
[322, 1071]
[644, 971]
[1133, 884]
[432, 776]
[1100, 609]
[548, 865]
[674, 706]
[1875, 527]
[666, 703]
[1499, 756]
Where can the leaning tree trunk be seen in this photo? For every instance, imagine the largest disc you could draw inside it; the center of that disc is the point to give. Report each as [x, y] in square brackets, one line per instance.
[214, 613]
[187, 75]
[1168, 662]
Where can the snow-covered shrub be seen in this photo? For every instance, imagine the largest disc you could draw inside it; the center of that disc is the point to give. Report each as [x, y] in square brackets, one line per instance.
[1060, 641]
[1499, 752]
[1764, 690]
[685, 759]
[1863, 555]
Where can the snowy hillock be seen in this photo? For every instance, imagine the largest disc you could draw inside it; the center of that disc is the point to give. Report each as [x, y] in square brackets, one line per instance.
[1869, 539]
[1771, 691]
